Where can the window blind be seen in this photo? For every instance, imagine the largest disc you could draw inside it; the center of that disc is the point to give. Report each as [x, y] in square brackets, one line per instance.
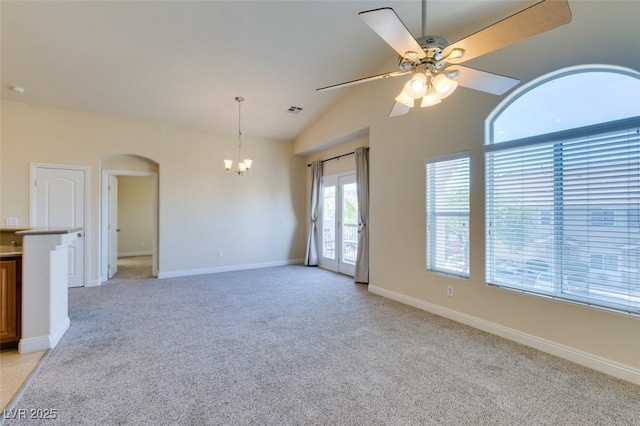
[448, 214]
[562, 217]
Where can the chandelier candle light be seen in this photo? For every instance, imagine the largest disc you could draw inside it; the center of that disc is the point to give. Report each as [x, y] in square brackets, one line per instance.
[243, 165]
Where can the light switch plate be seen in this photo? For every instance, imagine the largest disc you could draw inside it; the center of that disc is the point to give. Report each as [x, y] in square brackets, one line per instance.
[12, 222]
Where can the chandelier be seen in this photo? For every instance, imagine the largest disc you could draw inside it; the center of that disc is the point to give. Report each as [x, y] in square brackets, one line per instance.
[243, 165]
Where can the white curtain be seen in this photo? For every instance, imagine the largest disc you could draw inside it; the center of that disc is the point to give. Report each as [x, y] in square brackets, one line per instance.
[311, 257]
[362, 179]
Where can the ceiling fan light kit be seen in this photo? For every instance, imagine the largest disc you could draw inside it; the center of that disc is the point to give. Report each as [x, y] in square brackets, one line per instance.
[418, 84]
[430, 57]
[430, 98]
[444, 85]
[428, 88]
[405, 99]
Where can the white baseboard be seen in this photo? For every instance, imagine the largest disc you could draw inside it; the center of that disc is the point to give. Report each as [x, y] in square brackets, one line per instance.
[33, 344]
[57, 334]
[135, 253]
[586, 359]
[229, 268]
[42, 343]
[93, 283]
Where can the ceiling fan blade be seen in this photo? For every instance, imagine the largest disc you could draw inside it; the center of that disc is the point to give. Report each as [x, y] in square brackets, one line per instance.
[398, 109]
[484, 81]
[388, 25]
[537, 19]
[362, 80]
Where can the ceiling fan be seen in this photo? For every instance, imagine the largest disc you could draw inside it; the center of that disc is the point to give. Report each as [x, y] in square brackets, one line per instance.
[435, 63]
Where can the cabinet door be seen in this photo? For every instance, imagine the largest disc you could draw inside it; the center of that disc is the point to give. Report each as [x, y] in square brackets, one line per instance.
[9, 299]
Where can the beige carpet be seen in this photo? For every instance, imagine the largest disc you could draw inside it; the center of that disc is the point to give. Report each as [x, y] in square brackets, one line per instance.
[300, 346]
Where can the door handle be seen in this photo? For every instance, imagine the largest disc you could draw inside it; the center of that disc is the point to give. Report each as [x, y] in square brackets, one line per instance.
[79, 234]
[118, 230]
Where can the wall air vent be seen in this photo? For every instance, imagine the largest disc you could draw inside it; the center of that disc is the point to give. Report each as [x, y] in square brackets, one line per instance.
[294, 109]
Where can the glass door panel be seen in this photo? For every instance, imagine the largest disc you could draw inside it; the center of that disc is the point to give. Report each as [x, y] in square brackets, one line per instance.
[339, 223]
[329, 222]
[349, 222]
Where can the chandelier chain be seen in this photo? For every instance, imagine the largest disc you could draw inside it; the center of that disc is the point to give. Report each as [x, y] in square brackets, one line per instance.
[239, 99]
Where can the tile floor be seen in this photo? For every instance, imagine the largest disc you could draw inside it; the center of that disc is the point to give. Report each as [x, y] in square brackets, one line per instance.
[14, 371]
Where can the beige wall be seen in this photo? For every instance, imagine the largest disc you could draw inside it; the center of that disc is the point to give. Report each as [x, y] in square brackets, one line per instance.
[255, 219]
[397, 177]
[135, 215]
[341, 165]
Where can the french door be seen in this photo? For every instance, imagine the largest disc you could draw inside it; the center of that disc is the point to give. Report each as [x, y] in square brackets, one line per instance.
[339, 223]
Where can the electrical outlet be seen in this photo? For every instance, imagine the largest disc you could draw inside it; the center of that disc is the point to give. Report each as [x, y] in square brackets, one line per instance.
[220, 253]
[450, 290]
[12, 222]
[141, 243]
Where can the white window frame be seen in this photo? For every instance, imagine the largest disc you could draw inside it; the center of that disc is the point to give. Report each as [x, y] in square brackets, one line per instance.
[614, 286]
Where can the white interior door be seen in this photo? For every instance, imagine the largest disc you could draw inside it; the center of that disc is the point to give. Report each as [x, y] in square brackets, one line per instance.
[59, 202]
[339, 224]
[112, 226]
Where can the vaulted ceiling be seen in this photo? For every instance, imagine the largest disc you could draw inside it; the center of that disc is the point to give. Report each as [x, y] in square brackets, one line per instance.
[183, 62]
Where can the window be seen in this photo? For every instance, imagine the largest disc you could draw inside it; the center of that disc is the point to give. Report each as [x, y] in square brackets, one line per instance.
[602, 218]
[633, 218]
[448, 214]
[545, 217]
[587, 176]
[603, 261]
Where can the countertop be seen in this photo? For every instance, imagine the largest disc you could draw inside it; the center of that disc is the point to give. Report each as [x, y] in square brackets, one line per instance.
[48, 231]
[7, 250]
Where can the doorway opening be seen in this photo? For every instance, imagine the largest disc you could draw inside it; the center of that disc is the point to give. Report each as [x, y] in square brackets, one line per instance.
[134, 268]
[129, 222]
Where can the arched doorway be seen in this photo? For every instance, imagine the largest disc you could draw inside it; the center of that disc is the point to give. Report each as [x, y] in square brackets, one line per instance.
[136, 217]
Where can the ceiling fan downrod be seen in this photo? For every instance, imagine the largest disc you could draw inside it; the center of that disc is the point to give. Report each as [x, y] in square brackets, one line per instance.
[424, 17]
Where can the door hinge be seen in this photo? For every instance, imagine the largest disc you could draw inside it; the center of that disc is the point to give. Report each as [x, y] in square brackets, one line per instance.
[109, 266]
[108, 187]
[109, 227]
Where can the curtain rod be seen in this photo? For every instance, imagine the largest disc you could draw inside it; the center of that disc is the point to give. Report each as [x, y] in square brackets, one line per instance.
[339, 156]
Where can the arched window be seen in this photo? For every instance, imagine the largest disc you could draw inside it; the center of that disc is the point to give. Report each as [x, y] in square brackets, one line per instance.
[562, 158]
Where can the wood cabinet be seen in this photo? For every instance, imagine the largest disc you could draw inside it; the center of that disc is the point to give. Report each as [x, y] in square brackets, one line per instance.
[10, 301]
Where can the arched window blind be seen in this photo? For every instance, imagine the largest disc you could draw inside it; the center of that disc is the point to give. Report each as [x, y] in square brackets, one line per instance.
[563, 214]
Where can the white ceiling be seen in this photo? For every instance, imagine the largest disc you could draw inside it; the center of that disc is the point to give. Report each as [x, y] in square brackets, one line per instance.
[184, 61]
